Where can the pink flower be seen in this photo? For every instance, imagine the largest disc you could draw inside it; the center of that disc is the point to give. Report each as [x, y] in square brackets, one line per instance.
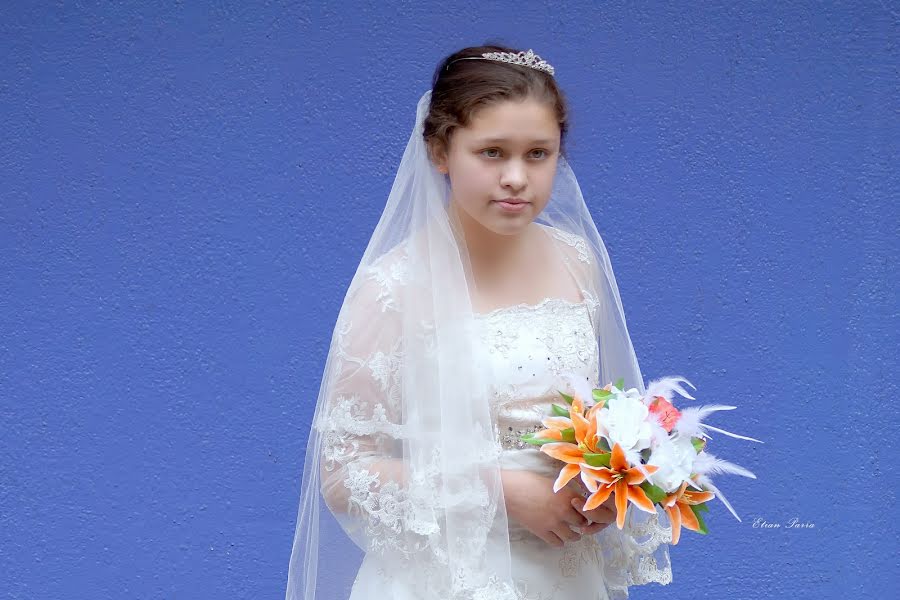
[665, 412]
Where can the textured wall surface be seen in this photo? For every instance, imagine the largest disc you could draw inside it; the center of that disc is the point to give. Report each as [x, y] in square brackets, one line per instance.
[186, 189]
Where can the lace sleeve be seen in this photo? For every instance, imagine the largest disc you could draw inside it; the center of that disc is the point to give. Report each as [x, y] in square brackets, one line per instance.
[636, 555]
[363, 476]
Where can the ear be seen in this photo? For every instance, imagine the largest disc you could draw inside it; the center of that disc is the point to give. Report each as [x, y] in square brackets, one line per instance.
[439, 158]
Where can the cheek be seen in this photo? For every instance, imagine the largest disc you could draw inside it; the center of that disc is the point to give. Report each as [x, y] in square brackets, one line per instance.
[549, 176]
[473, 178]
[546, 189]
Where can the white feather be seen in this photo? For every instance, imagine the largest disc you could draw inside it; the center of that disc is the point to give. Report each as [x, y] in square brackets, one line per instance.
[634, 458]
[580, 387]
[664, 387]
[690, 421]
[734, 435]
[695, 483]
[709, 484]
[657, 432]
[707, 464]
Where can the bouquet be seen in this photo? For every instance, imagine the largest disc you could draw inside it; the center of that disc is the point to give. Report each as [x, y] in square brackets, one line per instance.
[642, 449]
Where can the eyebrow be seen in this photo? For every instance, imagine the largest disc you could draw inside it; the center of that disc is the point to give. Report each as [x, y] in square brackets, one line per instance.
[500, 140]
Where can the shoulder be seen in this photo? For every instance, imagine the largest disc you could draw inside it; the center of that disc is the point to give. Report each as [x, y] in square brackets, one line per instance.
[379, 281]
[574, 247]
[371, 306]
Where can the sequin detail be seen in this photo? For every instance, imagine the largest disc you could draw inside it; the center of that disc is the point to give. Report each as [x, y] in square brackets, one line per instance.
[510, 438]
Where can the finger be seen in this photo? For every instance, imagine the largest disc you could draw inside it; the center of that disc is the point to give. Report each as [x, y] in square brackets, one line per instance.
[597, 515]
[552, 539]
[579, 514]
[566, 533]
[576, 517]
[577, 505]
[601, 514]
[595, 528]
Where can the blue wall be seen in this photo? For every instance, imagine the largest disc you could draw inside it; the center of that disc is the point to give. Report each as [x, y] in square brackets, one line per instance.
[187, 189]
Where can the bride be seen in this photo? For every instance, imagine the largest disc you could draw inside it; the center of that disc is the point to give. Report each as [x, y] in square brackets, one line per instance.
[483, 292]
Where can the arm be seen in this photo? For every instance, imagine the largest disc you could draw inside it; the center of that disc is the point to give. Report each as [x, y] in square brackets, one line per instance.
[363, 478]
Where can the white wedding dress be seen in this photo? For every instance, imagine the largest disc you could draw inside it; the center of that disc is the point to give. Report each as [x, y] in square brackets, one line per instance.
[530, 348]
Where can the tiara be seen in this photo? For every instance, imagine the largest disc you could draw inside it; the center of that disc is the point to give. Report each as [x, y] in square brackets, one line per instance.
[526, 59]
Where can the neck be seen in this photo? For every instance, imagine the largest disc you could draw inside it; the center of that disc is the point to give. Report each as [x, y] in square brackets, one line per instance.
[488, 248]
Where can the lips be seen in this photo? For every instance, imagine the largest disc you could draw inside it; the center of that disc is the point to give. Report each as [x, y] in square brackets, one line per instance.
[512, 205]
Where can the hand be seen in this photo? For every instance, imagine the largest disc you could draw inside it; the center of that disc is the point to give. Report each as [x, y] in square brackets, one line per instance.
[600, 517]
[530, 501]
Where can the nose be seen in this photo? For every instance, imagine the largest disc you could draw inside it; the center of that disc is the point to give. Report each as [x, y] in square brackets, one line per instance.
[513, 176]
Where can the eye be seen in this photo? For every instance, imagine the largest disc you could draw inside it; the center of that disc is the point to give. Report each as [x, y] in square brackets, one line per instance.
[539, 153]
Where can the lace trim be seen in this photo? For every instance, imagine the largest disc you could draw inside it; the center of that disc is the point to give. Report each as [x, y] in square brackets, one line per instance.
[494, 590]
[525, 307]
[397, 519]
[637, 561]
[584, 552]
[388, 511]
[388, 276]
[574, 241]
[656, 533]
[345, 417]
[385, 370]
[649, 572]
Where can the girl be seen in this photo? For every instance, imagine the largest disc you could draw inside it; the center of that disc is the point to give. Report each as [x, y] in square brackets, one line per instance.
[484, 291]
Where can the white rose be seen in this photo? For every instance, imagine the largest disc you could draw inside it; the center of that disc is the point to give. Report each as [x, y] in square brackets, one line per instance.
[675, 459]
[625, 421]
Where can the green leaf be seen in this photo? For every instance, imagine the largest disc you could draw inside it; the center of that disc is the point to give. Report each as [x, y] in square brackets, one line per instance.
[559, 411]
[530, 439]
[568, 435]
[620, 383]
[597, 460]
[604, 445]
[698, 443]
[702, 507]
[654, 492]
[566, 397]
[600, 397]
[697, 513]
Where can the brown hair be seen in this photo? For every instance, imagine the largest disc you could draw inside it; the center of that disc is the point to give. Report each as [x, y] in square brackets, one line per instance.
[461, 87]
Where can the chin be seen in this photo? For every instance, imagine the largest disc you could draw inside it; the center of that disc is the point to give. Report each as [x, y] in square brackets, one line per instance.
[508, 228]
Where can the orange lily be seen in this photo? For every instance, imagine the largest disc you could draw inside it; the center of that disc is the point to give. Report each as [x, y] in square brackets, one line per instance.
[618, 478]
[678, 507]
[586, 440]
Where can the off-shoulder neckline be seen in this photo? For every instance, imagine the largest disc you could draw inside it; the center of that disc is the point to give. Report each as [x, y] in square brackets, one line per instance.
[525, 307]
[549, 301]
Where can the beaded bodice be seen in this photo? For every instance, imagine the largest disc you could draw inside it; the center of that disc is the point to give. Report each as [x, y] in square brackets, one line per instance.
[532, 349]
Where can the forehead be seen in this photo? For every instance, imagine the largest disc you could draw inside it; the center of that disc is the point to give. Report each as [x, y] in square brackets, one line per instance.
[510, 121]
